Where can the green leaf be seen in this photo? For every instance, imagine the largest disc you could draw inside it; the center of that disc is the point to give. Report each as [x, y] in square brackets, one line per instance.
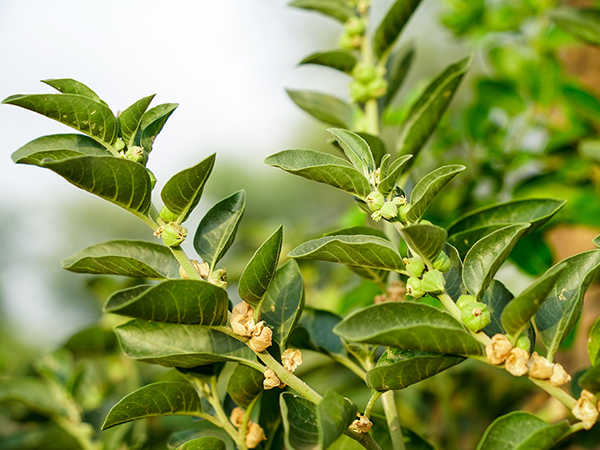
[593, 345]
[518, 313]
[131, 119]
[522, 431]
[597, 241]
[217, 229]
[152, 123]
[387, 185]
[375, 144]
[313, 332]
[120, 181]
[397, 369]
[428, 187]
[583, 23]
[558, 314]
[337, 59]
[397, 69]
[167, 398]
[536, 211]
[82, 113]
[454, 285]
[182, 192]
[284, 302]
[360, 229]
[138, 259]
[392, 24]
[57, 147]
[93, 340]
[173, 301]
[356, 150]
[35, 393]
[204, 443]
[323, 168]
[324, 107]
[358, 250]
[244, 385]
[336, 9]
[590, 380]
[427, 111]
[496, 297]
[174, 345]
[409, 326]
[426, 240]
[334, 414]
[487, 255]
[70, 86]
[259, 272]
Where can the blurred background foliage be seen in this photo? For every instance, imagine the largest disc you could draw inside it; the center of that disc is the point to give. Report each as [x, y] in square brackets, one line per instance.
[526, 123]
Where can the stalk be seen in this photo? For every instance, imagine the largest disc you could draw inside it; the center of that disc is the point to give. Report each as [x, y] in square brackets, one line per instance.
[226, 425]
[391, 415]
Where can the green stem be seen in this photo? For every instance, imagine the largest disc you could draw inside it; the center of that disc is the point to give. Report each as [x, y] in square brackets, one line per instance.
[215, 401]
[147, 220]
[363, 439]
[456, 313]
[349, 364]
[185, 262]
[372, 117]
[372, 400]
[155, 215]
[555, 392]
[391, 414]
[244, 427]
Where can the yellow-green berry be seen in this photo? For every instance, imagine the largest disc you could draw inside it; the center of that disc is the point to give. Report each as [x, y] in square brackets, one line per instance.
[389, 210]
[359, 92]
[354, 26]
[167, 215]
[173, 235]
[402, 211]
[414, 288]
[415, 266]
[375, 200]
[377, 88]
[476, 316]
[463, 300]
[433, 282]
[364, 72]
[137, 154]
[524, 342]
[442, 262]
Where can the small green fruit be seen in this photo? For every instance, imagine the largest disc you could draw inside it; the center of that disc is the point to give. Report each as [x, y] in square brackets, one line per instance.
[377, 88]
[402, 211]
[463, 300]
[173, 235]
[415, 266]
[375, 200]
[167, 215]
[433, 282]
[358, 92]
[364, 73]
[346, 41]
[524, 342]
[119, 144]
[137, 154]
[218, 278]
[476, 316]
[414, 288]
[442, 262]
[354, 26]
[389, 210]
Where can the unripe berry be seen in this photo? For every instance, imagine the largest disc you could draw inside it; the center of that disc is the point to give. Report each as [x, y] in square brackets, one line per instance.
[364, 73]
[173, 235]
[377, 88]
[476, 316]
[524, 342]
[346, 41]
[358, 92]
[463, 300]
[375, 200]
[442, 262]
[137, 154]
[433, 282]
[402, 211]
[415, 266]
[414, 288]
[389, 210]
[354, 26]
[167, 215]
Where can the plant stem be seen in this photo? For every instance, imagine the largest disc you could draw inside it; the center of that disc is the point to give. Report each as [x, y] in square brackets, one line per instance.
[364, 439]
[185, 262]
[456, 313]
[555, 392]
[155, 215]
[349, 364]
[372, 401]
[391, 415]
[215, 401]
[244, 427]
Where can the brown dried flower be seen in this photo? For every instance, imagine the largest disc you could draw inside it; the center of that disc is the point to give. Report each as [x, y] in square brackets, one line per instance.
[272, 380]
[498, 349]
[242, 319]
[261, 337]
[516, 362]
[291, 359]
[540, 367]
[254, 436]
[202, 269]
[559, 375]
[237, 417]
[585, 410]
[362, 424]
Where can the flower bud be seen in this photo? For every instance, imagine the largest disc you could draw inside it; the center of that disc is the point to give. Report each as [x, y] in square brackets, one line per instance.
[375, 200]
[463, 300]
[167, 215]
[399, 201]
[261, 337]
[218, 278]
[433, 282]
[272, 380]
[414, 288]
[402, 211]
[137, 154]
[585, 410]
[242, 319]
[119, 145]
[415, 266]
[442, 262]
[201, 268]
[291, 359]
[172, 234]
[362, 424]
[354, 26]
[358, 92]
[377, 88]
[254, 435]
[559, 375]
[389, 210]
[376, 216]
[498, 349]
[476, 316]
[516, 362]
[540, 367]
[364, 72]
[237, 417]
[524, 342]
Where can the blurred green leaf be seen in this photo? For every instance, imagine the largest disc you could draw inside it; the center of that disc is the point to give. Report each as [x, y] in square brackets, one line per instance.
[358, 250]
[158, 399]
[173, 301]
[487, 255]
[324, 107]
[583, 23]
[397, 69]
[356, 150]
[397, 369]
[336, 59]
[131, 119]
[57, 147]
[259, 272]
[182, 192]
[175, 345]
[588, 148]
[387, 185]
[284, 301]
[392, 24]
[313, 332]
[590, 380]
[428, 187]
[244, 385]
[152, 124]
[120, 181]
[204, 443]
[559, 313]
[35, 393]
[409, 326]
[425, 240]
[323, 168]
[337, 9]
[532, 254]
[92, 340]
[522, 431]
[138, 259]
[334, 414]
[593, 345]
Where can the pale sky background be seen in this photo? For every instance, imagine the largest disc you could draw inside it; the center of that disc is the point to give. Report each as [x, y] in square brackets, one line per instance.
[226, 62]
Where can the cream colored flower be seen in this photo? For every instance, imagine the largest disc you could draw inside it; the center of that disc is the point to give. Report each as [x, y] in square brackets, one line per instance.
[271, 380]
[498, 349]
[540, 367]
[362, 424]
[201, 268]
[237, 417]
[559, 375]
[242, 319]
[585, 410]
[291, 359]
[261, 337]
[254, 435]
[516, 362]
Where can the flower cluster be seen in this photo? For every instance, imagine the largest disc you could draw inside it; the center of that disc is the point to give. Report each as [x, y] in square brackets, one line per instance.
[254, 433]
[242, 322]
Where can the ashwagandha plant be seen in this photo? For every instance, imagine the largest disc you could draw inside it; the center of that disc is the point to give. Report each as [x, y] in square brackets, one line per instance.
[452, 310]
